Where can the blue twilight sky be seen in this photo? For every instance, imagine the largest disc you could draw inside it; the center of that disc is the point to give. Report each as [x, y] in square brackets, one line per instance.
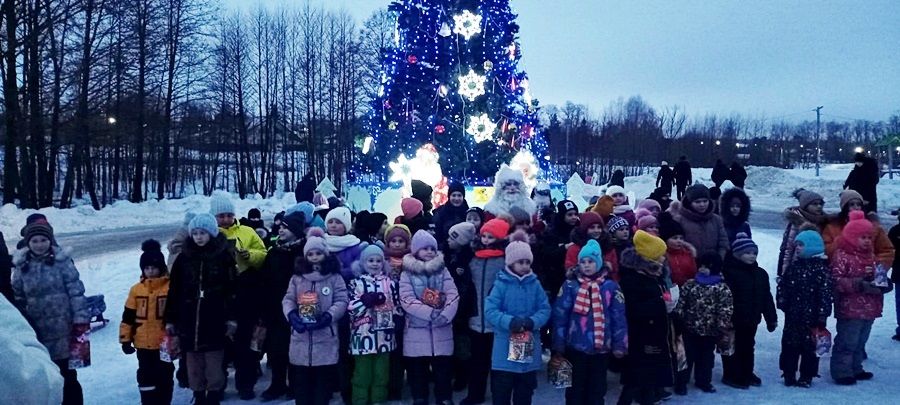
[777, 58]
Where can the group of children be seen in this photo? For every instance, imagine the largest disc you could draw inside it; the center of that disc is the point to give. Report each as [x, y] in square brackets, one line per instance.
[651, 294]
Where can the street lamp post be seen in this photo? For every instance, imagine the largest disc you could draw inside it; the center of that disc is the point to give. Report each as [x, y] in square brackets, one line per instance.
[818, 122]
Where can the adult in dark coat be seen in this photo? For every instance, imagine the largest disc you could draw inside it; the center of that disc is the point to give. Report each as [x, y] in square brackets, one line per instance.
[276, 275]
[720, 173]
[663, 197]
[451, 213]
[863, 179]
[617, 179]
[665, 179]
[683, 177]
[368, 226]
[306, 188]
[737, 175]
[648, 364]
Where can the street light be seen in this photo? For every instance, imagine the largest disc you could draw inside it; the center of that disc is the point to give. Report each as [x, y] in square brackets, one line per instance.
[111, 120]
[858, 149]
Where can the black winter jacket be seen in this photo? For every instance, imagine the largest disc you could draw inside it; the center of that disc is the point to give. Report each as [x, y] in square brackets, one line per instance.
[749, 286]
[202, 294]
[804, 295]
[276, 275]
[648, 321]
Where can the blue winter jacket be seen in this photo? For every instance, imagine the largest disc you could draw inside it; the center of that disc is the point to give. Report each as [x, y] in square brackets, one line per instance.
[577, 331]
[513, 296]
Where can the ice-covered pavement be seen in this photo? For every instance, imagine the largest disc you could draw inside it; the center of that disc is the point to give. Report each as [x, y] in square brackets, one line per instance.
[111, 378]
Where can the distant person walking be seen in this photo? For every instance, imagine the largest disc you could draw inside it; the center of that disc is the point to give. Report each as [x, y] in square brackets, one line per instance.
[720, 173]
[737, 175]
[666, 177]
[863, 179]
[306, 188]
[683, 177]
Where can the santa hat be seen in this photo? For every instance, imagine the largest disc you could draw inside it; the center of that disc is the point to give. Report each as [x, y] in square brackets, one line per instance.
[518, 248]
[507, 174]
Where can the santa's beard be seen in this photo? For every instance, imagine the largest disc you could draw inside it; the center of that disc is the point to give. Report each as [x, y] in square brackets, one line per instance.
[510, 198]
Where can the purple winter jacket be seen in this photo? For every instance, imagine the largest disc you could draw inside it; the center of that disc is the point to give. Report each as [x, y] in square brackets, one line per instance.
[429, 331]
[317, 347]
[347, 256]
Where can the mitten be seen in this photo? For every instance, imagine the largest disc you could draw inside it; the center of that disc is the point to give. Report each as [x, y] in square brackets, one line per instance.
[528, 324]
[369, 299]
[296, 323]
[517, 324]
[323, 321]
[127, 348]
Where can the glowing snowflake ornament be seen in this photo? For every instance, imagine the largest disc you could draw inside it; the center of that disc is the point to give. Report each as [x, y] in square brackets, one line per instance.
[471, 85]
[402, 169]
[467, 24]
[481, 128]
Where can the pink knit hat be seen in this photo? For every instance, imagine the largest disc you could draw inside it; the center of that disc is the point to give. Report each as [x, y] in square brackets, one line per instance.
[647, 204]
[411, 207]
[421, 240]
[646, 222]
[856, 228]
[518, 248]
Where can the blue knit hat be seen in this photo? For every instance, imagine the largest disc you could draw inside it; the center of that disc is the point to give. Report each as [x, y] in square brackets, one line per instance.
[592, 251]
[205, 222]
[813, 245]
[220, 203]
[369, 251]
[742, 244]
[616, 223]
[305, 207]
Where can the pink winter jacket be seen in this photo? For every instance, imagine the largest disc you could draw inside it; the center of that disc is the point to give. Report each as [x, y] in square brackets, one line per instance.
[847, 269]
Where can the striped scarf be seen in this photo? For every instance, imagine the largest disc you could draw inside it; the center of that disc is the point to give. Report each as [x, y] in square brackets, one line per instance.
[589, 301]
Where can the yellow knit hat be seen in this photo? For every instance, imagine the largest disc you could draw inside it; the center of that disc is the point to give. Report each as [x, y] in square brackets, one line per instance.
[648, 246]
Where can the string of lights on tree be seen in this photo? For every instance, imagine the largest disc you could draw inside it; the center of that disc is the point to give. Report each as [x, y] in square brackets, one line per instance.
[451, 79]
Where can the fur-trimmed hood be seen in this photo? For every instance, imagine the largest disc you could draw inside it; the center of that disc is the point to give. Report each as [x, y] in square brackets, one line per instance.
[57, 254]
[725, 201]
[416, 266]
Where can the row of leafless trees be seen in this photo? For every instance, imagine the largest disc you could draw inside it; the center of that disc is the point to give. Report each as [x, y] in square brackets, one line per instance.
[138, 99]
[631, 133]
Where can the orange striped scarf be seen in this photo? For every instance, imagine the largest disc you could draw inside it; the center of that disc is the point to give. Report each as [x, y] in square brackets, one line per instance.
[589, 301]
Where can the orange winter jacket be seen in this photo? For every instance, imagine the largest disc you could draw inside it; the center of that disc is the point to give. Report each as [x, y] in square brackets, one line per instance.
[142, 320]
[884, 250]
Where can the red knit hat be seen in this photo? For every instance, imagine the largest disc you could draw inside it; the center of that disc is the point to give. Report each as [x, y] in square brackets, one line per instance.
[856, 228]
[411, 207]
[498, 228]
[587, 219]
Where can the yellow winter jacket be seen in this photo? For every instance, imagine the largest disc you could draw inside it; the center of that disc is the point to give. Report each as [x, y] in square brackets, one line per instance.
[142, 321]
[246, 238]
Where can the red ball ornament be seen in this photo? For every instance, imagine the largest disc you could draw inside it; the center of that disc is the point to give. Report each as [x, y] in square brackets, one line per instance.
[412, 59]
[439, 129]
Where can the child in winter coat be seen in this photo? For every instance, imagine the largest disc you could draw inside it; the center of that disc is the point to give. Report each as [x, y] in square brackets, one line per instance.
[734, 208]
[857, 300]
[430, 299]
[647, 222]
[589, 324]
[620, 233]
[396, 246]
[200, 308]
[753, 301]
[680, 255]
[703, 228]
[804, 295]
[704, 309]
[374, 300]
[808, 214]
[142, 326]
[488, 262]
[458, 254]
[621, 208]
[517, 308]
[315, 300]
[47, 289]
[475, 216]
[590, 226]
[649, 363]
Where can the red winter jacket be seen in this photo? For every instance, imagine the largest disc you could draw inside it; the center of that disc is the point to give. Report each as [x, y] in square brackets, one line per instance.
[847, 269]
[682, 259]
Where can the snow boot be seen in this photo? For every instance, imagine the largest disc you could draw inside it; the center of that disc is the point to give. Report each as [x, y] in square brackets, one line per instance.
[804, 383]
[864, 376]
[214, 397]
[200, 398]
[845, 381]
[273, 392]
[735, 384]
[755, 381]
[790, 380]
[681, 390]
[709, 389]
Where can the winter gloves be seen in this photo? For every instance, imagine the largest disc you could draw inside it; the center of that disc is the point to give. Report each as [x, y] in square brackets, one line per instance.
[127, 348]
[322, 321]
[866, 287]
[520, 324]
[296, 323]
[373, 299]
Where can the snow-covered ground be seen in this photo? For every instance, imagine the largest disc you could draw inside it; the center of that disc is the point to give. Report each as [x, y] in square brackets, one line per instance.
[111, 378]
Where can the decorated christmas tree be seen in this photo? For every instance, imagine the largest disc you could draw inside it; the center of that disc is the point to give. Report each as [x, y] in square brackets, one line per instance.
[452, 80]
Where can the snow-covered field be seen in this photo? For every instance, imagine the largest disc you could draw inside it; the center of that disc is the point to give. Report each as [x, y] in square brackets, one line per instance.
[110, 380]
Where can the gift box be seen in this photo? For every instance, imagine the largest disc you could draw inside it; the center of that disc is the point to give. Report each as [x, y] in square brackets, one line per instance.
[521, 347]
[258, 340]
[559, 373]
[881, 277]
[822, 339]
[432, 298]
[308, 306]
[80, 349]
[383, 317]
[168, 348]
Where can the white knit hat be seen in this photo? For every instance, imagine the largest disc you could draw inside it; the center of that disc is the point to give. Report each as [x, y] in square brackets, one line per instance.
[341, 214]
